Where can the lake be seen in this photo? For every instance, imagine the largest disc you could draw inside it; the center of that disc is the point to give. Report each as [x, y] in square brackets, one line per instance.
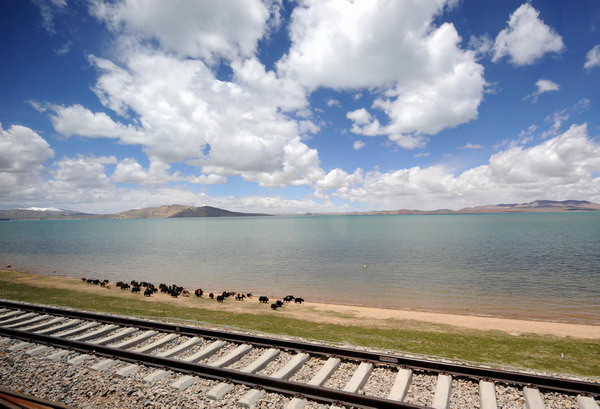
[541, 265]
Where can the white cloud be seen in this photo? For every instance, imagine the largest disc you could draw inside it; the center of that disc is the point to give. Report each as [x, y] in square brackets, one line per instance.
[592, 58]
[526, 39]
[556, 120]
[209, 29]
[358, 145]
[559, 168]
[77, 120]
[429, 83]
[542, 87]
[130, 171]
[23, 154]
[64, 50]
[79, 173]
[360, 117]
[48, 10]
[471, 146]
[409, 141]
[22, 150]
[185, 114]
[332, 102]
[422, 155]
[338, 178]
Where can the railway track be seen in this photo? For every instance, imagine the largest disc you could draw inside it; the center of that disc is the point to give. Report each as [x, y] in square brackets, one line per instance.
[302, 374]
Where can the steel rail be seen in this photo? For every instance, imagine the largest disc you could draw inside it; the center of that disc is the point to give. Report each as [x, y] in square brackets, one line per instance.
[571, 386]
[21, 400]
[317, 393]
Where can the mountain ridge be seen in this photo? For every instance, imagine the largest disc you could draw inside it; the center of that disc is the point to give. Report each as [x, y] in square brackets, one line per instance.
[179, 211]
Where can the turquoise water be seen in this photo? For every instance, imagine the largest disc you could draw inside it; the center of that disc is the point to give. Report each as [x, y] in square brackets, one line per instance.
[542, 266]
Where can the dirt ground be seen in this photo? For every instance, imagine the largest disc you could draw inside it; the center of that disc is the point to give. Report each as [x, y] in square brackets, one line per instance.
[335, 314]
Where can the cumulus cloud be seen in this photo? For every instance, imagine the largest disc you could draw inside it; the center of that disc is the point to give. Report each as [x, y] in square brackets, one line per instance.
[560, 168]
[22, 150]
[543, 86]
[185, 114]
[80, 121]
[592, 58]
[210, 29]
[23, 154]
[338, 178]
[429, 83]
[79, 173]
[526, 39]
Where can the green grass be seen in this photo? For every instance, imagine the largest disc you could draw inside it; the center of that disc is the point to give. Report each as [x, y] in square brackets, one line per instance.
[581, 357]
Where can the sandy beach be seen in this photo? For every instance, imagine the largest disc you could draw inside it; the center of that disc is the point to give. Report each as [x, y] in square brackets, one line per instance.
[340, 314]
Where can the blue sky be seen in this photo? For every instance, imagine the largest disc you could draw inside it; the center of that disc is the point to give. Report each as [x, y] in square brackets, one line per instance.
[284, 107]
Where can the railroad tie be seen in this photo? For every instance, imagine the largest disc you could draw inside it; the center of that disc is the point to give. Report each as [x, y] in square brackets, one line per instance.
[443, 391]
[184, 382]
[10, 315]
[155, 376]
[586, 402]
[250, 398]
[103, 365]
[296, 403]
[37, 351]
[118, 336]
[100, 332]
[79, 359]
[400, 386]
[21, 317]
[57, 356]
[325, 372]
[128, 370]
[180, 348]
[291, 367]
[31, 321]
[156, 344]
[487, 394]
[533, 398]
[128, 343]
[232, 356]
[77, 331]
[221, 389]
[59, 328]
[44, 325]
[205, 352]
[358, 380]
[20, 346]
[262, 361]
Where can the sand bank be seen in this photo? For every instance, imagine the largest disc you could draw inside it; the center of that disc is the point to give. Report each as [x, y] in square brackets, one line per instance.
[338, 314]
[511, 326]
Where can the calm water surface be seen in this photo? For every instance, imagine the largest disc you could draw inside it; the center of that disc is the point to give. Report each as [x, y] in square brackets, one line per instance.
[542, 266]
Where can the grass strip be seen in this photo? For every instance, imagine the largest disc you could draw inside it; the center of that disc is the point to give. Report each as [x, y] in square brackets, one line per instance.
[545, 353]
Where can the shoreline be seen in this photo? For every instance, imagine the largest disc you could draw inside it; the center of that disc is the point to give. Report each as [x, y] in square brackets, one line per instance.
[342, 314]
[483, 323]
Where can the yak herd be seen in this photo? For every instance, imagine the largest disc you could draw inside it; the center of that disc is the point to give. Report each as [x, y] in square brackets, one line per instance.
[175, 291]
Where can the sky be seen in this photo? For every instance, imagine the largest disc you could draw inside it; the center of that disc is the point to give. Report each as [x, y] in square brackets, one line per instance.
[284, 106]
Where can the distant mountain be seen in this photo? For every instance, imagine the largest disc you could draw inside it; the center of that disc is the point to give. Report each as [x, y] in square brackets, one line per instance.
[40, 214]
[171, 211]
[535, 206]
[179, 211]
[150, 212]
